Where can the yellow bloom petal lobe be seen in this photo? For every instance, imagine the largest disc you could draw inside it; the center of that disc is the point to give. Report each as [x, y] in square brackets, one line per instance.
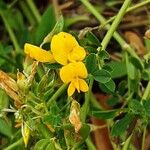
[76, 84]
[74, 73]
[38, 53]
[67, 73]
[77, 54]
[80, 70]
[66, 49]
[83, 85]
[71, 89]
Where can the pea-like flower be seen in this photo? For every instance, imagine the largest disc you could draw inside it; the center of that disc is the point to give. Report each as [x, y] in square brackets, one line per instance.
[38, 53]
[74, 73]
[66, 49]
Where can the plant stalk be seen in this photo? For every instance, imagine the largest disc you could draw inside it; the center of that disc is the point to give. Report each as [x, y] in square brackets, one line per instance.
[57, 94]
[85, 107]
[26, 11]
[11, 33]
[12, 146]
[146, 94]
[128, 10]
[34, 10]
[143, 138]
[115, 24]
[102, 20]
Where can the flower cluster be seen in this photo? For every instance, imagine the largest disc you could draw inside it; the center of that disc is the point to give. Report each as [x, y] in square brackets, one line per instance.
[66, 51]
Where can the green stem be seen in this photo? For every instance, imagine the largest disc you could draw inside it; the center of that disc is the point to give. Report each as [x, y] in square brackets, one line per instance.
[8, 60]
[12, 146]
[146, 94]
[57, 94]
[56, 9]
[34, 10]
[115, 24]
[127, 143]
[85, 107]
[143, 138]
[44, 131]
[128, 10]
[138, 5]
[11, 33]
[90, 144]
[70, 21]
[102, 20]
[26, 11]
[128, 73]
[12, 4]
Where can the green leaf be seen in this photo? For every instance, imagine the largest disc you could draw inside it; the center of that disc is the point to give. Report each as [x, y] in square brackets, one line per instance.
[131, 70]
[46, 25]
[146, 75]
[147, 44]
[122, 87]
[44, 132]
[136, 107]
[104, 114]
[137, 63]
[113, 101]
[5, 128]
[51, 146]
[102, 76]
[4, 100]
[42, 144]
[53, 66]
[57, 28]
[84, 131]
[119, 69]
[103, 55]
[91, 49]
[91, 63]
[92, 39]
[146, 104]
[108, 87]
[108, 68]
[147, 57]
[121, 126]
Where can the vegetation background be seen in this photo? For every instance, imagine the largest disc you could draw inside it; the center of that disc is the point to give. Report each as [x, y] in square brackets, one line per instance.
[120, 118]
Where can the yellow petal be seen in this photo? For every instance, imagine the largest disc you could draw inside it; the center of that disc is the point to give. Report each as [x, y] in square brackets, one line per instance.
[76, 84]
[80, 69]
[83, 85]
[71, 89]
[73, 71]
[77, 54]
[67, 73]
[61, 45]
[38, 53]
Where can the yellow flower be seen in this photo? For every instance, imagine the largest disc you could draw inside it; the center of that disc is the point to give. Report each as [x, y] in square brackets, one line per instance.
[38, 53]
[66, 49]
[74, 73]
